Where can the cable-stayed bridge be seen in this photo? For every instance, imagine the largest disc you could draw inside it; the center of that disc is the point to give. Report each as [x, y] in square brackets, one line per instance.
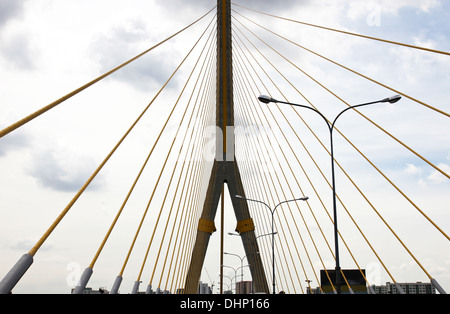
[217, 147]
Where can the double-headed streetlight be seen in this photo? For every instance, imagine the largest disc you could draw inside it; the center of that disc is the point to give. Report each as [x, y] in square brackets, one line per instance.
[393, 99]
[242, 262]
[272, 211]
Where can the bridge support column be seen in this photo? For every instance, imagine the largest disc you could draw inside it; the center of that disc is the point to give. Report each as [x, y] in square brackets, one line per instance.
[225, 168]
[83, 281]
[116, 285]
[225, 172]
[14, 275]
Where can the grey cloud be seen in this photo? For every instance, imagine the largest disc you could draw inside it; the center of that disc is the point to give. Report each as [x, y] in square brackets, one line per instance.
[13, 141]
[119, 45]
[62, 170]
[15, 44]
[9, 9]
[18, 51]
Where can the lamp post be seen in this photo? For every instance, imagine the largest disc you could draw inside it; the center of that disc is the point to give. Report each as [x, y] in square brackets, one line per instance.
[393, 99]
[242, 263]
[272, 211]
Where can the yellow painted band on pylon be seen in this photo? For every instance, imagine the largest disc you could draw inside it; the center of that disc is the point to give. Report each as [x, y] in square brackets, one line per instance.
[206, 226]
[245, 226]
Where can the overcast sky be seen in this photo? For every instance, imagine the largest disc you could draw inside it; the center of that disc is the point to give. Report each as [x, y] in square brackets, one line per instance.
[49, 48]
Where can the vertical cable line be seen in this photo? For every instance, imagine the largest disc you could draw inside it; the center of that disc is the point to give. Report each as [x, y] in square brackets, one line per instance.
[170, 150]
[61, 216]
[301, 190]
[262, 213]
[282, 225]
[270, 145]
[300, 212]
[196, 148]
[157, 140]
[310, 182]
[179, 154]
[243, 160]
[244, 101]
[258, 213]
[194, 182]
[124, 203]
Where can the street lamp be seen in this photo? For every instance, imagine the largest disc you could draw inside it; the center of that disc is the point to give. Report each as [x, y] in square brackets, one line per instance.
[272, 211]
[261, 235]
[242, 261]
[393, 99]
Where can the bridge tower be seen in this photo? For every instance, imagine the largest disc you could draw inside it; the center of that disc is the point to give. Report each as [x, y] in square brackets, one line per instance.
[225, 170]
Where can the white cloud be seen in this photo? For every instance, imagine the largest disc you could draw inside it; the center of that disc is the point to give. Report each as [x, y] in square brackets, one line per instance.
[437, 177]
[413, 170]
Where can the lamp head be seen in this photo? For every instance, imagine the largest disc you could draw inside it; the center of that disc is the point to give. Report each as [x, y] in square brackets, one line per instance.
[266, 99]
[392, 99]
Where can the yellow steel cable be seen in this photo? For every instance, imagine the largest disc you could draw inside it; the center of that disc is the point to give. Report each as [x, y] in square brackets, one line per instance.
[268, 184]
[338, 197]
[250, 190]
[179, 180]
[73, 93]
[259, 275]
[289, 229]
[183, 208]
[326, 180]
[282, 248]
[293, 195]
[264, 210]
[351, 33]
[165, 162]
[313, 214]
[299, 140]
[188, 223]
[41, 241]
[300, 212]
[412, 203]
[192, 228]
[197, 148]
[353, 219]
[122, 207]
[371, 121]
[374, 81]
[159, 136]
[282, 192]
